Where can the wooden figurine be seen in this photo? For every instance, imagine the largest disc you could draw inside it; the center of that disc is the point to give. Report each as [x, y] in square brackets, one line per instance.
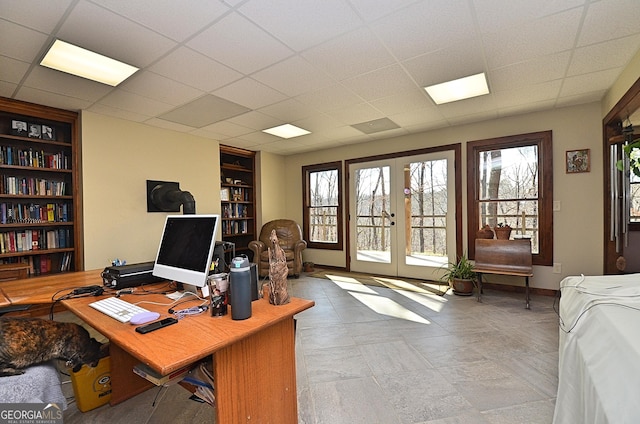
[278, 292]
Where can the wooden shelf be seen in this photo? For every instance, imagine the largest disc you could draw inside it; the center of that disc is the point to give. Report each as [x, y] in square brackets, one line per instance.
[238, 212]
[39, 180]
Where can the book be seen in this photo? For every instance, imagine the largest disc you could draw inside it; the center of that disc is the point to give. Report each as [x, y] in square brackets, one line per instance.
[147, 373]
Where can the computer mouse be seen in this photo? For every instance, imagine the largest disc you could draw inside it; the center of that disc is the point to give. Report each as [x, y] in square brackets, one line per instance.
[144, 317]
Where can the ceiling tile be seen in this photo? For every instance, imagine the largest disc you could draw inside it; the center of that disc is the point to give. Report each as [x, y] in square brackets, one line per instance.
[160, 88]
[603, 22]
[12, 70]
[132, 102]
[46, 79]
[169, 17]
[425, 26]
[288, 110]
[26, 45]
[227, 128]
[42, 97]
[403, 101]
[330, 98]
[358, 113]
[597, 57]
[125, 40]
[250, 93]
[23, 12]
[381, 83]
[315, 21]
[452, 62]
[239, 44]
[350, 54]
[495, 14]
[529, 94]
[293, 77]
[596, 81]
[204, 111]
[201, 72]
[542, 37]
[540, 69]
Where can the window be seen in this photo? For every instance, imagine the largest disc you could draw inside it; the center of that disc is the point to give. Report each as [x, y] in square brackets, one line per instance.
[511, 182]
[322, 205]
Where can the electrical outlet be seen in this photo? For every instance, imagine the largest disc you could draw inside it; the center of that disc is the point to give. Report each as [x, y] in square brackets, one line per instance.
[557, 268]
[556, 205]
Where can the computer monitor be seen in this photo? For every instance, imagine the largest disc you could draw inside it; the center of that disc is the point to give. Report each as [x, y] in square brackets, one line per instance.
[186, 248]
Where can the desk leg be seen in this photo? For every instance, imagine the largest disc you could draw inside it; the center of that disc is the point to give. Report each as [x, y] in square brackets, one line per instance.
[255, 378]
[479, 275]
[124, 383]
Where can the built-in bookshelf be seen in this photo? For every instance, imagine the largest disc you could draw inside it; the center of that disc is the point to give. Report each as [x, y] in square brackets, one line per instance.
[40, 200]
[237, 195]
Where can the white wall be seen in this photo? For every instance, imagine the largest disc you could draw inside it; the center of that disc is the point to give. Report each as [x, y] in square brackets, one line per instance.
[118, 157]
[577, 226]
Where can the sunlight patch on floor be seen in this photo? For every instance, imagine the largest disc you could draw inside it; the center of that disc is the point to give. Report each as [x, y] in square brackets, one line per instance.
[388, 307]
[350, 284]
[428, 300]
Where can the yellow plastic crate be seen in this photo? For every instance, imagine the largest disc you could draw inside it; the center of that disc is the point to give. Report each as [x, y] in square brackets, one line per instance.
[92, 386]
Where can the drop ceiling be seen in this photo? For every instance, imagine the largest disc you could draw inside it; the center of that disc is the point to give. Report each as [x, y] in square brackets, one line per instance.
[226, 70]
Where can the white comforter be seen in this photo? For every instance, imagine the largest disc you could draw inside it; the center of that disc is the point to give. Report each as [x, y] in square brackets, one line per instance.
[599, 367]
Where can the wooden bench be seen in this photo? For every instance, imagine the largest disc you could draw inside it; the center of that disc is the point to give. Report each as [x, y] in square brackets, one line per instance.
[504, 257]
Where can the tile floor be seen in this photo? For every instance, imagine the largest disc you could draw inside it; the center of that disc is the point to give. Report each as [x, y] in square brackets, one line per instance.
[374, 355]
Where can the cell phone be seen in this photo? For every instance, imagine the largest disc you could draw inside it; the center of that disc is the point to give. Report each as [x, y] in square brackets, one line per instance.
[144, 329]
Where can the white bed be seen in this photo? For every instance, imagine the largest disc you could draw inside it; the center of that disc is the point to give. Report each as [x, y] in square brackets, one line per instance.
[599, 356]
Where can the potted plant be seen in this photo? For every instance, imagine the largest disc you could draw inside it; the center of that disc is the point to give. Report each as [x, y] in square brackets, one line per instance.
[461, 276]
[503, 231]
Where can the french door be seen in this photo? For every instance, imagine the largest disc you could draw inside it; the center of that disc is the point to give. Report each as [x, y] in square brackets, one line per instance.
[402, 215]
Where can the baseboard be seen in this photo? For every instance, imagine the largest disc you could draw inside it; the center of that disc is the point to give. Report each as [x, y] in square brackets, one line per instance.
[520, 289]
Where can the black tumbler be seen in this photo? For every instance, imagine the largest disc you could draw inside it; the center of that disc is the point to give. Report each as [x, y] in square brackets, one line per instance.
[240, 287]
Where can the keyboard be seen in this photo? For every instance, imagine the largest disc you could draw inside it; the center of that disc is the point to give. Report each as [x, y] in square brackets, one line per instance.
[117, 308]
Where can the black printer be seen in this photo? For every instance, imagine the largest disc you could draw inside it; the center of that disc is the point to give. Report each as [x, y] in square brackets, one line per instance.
[125, 276]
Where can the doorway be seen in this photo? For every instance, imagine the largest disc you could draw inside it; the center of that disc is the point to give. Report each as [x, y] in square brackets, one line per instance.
[402, 215]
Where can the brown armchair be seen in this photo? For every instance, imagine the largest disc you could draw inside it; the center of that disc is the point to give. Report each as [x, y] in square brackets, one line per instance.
[290, 239]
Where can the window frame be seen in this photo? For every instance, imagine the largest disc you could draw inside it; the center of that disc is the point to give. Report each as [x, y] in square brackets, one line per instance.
[306, 205]
[543, 140]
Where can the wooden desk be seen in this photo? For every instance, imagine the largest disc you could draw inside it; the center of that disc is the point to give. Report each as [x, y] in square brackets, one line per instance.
[254, 359]
[40, 290]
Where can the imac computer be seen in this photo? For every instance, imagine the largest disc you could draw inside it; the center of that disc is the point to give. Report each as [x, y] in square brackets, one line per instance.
[186, 249]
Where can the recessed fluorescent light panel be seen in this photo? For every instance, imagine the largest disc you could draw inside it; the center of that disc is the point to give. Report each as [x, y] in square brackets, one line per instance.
[286, 131]
[463, 88]
[77, 61]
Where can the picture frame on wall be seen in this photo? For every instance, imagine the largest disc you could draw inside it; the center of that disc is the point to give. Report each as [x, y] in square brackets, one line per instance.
[35, 131]
[578, 161]
[48, 132]
[19, 128]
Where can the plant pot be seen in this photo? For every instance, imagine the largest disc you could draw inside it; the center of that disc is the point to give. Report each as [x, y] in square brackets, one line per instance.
[502, 233]
[462, 287]
[485, 233]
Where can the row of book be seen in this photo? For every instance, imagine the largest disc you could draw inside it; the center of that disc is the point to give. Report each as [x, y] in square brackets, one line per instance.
[38, 159]
[26, 240]
[30, 213]
[235, 227]
[31, 186]
[44, 264]
[235, 210]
